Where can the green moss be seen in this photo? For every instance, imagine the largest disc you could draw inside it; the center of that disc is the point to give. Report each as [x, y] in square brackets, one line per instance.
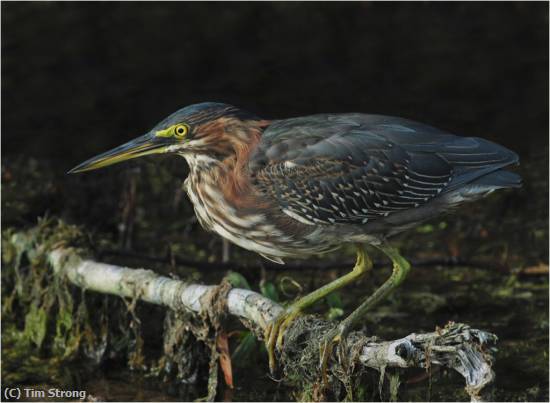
[394, 383]
[35, 325]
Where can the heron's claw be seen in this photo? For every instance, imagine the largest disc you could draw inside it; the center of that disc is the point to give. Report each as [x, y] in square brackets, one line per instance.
[274, 334]
[329, 341]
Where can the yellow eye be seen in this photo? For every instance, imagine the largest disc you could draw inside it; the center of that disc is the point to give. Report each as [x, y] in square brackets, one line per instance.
[181, 130]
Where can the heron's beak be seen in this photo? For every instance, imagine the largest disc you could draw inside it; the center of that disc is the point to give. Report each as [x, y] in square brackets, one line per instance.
[144, 145]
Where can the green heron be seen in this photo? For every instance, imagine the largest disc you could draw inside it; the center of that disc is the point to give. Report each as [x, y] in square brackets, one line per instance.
[304, 186]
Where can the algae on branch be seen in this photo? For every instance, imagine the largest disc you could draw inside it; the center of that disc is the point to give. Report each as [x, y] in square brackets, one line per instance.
[54, 324]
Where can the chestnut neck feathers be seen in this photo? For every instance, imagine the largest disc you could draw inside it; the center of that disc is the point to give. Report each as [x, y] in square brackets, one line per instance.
[222, 147]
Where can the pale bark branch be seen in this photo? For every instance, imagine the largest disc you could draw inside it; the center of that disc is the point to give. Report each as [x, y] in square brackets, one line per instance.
[456, 346]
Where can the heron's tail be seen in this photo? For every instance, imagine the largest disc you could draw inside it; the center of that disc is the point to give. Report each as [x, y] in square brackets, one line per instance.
[498, 180]
[484, 186]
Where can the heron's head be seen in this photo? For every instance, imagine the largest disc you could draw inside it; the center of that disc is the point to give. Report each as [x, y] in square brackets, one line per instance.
[208, 128]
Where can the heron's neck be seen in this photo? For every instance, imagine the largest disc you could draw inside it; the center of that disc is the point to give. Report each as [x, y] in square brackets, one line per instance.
[228, 173]
[202, 164]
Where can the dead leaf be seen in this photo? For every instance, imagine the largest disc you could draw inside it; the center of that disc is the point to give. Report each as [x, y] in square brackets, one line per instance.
[225, 358]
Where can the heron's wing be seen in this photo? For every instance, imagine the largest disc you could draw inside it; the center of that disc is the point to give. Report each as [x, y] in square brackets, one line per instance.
[355, 168]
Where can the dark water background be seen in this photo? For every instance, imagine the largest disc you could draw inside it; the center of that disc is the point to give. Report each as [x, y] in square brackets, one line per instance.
[78, 79]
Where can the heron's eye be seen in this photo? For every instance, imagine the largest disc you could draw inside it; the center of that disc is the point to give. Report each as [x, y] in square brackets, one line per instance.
[180, 131]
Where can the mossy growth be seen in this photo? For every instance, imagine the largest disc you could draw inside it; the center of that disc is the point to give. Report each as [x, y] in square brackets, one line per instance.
[50, 327]
[43, 321]
[345, 379]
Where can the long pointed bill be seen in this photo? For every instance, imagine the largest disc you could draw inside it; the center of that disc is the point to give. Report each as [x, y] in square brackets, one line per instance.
[139, 147]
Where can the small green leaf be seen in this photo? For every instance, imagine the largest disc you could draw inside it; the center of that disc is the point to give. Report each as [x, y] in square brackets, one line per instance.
[243, 352]
[237, 280]
[334, 300]
[269, 290]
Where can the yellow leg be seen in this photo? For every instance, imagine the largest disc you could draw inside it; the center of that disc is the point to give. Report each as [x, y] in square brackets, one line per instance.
[275, 332]
[400, 269]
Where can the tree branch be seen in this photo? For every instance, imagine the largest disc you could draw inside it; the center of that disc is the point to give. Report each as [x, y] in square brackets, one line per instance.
[456, 346]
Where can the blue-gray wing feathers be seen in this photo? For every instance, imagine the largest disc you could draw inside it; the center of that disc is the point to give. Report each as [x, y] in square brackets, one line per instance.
[355, 168]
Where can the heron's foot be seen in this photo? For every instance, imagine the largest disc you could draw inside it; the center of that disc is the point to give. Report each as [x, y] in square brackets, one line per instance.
[333, 338]
[275, 332]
